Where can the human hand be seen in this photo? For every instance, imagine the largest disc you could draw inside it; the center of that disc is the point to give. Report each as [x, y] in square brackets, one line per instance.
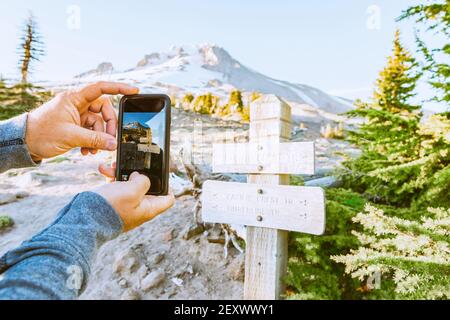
[130, 201]
[72, 119]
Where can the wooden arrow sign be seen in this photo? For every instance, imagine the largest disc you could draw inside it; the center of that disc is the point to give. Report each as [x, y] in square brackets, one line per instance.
[264, 158]
[291, 208]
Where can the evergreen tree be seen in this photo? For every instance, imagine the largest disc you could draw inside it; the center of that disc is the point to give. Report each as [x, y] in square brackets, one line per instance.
[20, 98]
[205, 104]
[389, 135]
[435, 17]
[411, 257]
[246, 113]
[235, 103]
[187, 101]
[188, 98]
[31, 47]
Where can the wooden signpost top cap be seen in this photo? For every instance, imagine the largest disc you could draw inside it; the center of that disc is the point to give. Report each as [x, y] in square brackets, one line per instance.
[270, 107]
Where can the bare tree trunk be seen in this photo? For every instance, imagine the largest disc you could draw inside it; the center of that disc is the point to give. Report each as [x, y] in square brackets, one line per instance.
[27, 53]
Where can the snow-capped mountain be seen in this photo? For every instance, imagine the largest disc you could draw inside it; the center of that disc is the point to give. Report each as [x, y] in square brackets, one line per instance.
[135, 126]
[208, 68]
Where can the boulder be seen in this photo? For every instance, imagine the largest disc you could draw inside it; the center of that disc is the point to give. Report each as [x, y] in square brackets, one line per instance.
[153, 280]
[126, 262]
[6, 198]
[156, 258]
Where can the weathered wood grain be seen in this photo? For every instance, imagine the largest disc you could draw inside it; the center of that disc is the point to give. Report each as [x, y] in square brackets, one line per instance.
[291, 208]
[264, 158]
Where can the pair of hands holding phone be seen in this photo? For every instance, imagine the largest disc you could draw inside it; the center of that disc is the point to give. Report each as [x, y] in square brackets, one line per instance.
[85, 118]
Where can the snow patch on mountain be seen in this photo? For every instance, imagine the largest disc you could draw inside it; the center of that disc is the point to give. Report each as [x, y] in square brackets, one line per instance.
[207, 68]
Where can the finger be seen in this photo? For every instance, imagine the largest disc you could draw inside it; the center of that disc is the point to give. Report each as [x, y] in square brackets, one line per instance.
[152, 206]
[84, 151]
[105, 106]
[86, 138]
[99, 127]
[108, 171]
[92, 121]
[94, 91]
[138, 184]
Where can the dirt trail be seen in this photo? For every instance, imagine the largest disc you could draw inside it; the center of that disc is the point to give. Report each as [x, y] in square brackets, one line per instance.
[167, 258]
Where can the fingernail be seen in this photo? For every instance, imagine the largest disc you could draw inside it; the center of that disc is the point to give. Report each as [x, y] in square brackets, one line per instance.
[112, 145]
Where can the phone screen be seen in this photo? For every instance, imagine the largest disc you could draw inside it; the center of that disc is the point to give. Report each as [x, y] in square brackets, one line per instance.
[143, 140]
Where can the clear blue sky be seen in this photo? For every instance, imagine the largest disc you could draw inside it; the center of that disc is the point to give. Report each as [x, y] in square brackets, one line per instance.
[325, 43]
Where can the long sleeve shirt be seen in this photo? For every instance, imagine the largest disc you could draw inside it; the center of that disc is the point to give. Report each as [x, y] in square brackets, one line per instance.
[55, 263]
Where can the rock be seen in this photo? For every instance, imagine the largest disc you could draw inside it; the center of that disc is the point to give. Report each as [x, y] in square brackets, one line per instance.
[130, 294]
[187, 269]
[156, 258]
[123, 283]
[35, 179]
[177, 281]
[324, 171]
[215, 236]
[236, 269]
[329, 182]
[168, 235]
[153, 280]
[126, 262]
[192, 230]
[6, 198]
[142, 272]
[21, 194]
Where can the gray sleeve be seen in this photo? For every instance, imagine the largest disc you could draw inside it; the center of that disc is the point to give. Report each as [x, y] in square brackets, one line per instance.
[14, 152]
[55, 264]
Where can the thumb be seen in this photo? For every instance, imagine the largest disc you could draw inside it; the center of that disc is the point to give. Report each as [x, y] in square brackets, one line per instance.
[86, 138]
[138, 184]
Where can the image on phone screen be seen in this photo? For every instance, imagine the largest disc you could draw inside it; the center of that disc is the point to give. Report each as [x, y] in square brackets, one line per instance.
[142, 144]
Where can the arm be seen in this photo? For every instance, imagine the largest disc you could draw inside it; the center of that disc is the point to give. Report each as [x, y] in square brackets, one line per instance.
[55, 264]
[14, 152]
[72, 119]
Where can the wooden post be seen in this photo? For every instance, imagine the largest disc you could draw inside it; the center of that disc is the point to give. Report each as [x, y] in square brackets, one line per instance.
[266, 205]
[148, 156]
[266, 249]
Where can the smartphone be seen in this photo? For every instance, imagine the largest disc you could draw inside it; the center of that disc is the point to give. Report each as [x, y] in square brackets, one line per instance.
[143, 139]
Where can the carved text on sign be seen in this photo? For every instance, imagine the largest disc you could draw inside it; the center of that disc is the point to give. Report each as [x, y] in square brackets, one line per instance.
[290, 208]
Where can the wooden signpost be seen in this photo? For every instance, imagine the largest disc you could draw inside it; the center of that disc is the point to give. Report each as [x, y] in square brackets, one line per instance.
[266, 204]
[147, 147]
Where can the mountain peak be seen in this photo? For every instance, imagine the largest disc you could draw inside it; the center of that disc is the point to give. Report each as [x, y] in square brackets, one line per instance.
[135, 125]
[193, 68]
[102, 69]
